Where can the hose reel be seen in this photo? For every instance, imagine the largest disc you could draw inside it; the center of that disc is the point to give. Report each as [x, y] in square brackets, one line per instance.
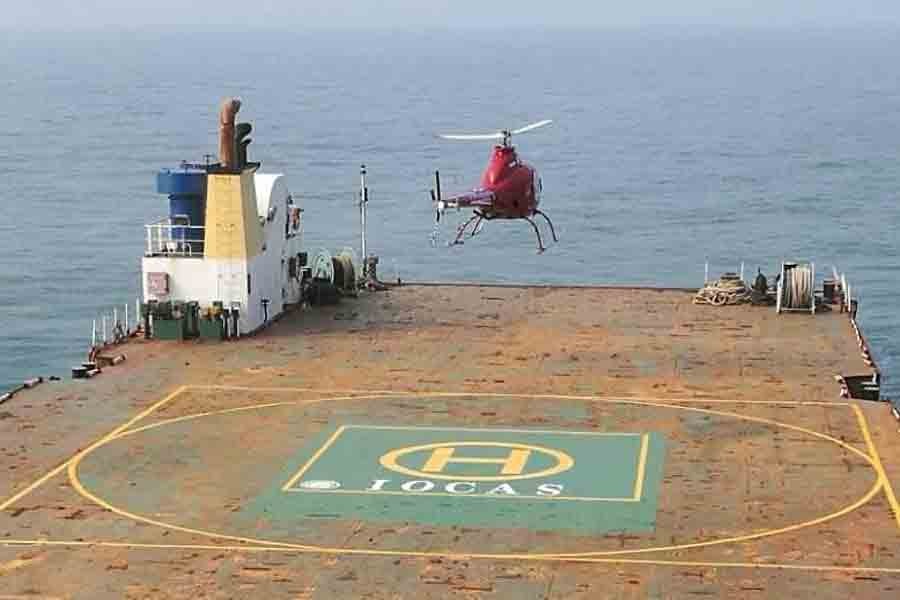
[796, 288]
[344, 267]
[322, 266]
[333, 276]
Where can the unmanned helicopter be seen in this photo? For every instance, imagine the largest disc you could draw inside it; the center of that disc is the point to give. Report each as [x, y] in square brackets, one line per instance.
[510, 189]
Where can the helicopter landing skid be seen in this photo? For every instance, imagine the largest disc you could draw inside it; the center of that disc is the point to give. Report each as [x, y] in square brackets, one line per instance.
[549, 222]
[479, 225]
[461, 230]
[537, 232]
[479, 218]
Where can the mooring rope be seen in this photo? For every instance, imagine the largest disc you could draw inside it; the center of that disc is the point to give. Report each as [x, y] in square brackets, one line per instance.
[729, 289]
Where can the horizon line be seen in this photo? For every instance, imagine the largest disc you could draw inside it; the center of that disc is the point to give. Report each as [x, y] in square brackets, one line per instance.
[426, 28]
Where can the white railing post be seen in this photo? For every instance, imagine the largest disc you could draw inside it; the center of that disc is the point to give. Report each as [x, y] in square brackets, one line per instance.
[843, 291]
[778, 291]
[126, 320]
[812, 287]
[94, 333]
[103, 320]
[844, 284]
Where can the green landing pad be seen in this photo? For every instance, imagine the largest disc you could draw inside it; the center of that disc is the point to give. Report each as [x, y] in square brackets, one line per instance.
[506, 478]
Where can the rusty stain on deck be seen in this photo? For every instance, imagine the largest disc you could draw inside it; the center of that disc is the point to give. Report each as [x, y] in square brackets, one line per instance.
[166, 477]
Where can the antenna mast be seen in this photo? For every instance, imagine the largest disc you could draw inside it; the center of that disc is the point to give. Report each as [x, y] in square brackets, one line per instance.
[363, 200]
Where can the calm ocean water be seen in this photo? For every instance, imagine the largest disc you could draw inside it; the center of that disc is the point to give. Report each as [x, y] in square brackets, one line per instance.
[669, 149]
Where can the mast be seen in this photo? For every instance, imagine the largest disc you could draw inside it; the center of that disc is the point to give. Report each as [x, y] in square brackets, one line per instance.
[363, 200]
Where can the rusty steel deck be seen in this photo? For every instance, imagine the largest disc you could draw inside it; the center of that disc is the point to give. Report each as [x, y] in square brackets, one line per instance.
[463, 442]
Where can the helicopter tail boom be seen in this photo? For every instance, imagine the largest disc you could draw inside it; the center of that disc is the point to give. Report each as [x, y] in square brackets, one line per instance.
[474, 199]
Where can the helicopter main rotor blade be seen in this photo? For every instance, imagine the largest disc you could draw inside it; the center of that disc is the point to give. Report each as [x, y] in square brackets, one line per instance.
[475, 136]
[531, 127]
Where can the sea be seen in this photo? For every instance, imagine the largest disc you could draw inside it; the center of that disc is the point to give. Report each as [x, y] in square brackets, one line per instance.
[671, 149]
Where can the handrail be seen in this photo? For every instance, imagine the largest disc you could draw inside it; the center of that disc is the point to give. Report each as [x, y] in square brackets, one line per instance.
[168, 237]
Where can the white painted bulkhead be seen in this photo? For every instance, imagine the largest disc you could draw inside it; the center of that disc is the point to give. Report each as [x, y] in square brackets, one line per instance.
[206, 280]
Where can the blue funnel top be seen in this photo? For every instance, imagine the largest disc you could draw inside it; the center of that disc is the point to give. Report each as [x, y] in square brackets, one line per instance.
[186, 188]
[181, 182]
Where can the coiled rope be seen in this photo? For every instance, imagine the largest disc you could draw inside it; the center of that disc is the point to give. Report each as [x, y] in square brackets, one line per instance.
[729, 289]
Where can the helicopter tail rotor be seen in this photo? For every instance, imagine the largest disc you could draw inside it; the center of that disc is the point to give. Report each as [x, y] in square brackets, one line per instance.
[436, 198]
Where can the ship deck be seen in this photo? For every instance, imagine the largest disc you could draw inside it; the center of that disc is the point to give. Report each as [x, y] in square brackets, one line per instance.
[467, 442]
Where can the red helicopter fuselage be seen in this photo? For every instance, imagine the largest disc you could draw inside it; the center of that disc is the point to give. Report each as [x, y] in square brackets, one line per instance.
[514, 185]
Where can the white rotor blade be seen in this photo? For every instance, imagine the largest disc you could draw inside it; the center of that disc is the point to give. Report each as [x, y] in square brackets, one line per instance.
[532, 126]
[477, 136]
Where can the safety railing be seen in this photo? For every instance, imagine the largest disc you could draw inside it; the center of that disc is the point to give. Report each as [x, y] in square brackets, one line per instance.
[174, 237]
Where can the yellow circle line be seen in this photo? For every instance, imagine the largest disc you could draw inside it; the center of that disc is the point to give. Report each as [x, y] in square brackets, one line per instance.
[876, 487]
[79, 487]
[879, 483]
[389, 461]
[214, 413]
[692, 400]
[614, 561]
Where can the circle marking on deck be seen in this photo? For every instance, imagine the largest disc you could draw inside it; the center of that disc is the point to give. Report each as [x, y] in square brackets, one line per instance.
[878, 485]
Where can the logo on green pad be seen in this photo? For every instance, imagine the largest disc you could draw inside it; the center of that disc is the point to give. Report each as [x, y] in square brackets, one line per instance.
[489, 463]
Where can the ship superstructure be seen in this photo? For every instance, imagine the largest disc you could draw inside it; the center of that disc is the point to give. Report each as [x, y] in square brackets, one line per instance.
[232, 241]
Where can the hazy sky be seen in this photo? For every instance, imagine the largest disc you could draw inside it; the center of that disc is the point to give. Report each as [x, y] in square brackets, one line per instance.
[294, 14]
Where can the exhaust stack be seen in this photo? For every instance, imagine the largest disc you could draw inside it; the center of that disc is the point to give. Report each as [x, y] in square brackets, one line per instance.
[228, 152]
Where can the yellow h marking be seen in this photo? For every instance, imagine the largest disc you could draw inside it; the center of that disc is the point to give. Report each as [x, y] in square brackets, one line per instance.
[513, 464]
